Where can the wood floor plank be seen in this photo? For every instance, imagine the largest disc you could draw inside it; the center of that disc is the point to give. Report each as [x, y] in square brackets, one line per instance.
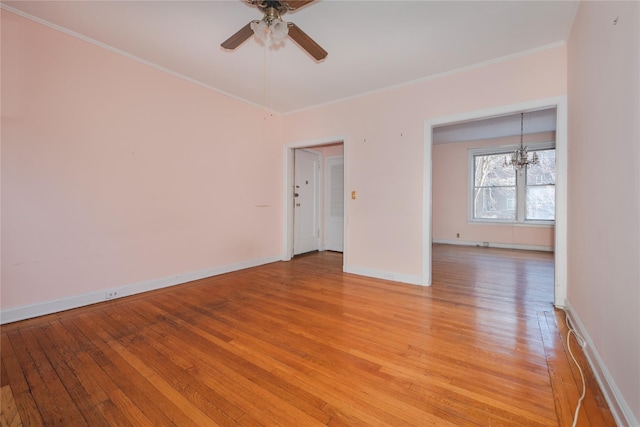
[80, 367]
[244, 375]
[130, 410]
[14, 374]
[52, 399]
[178, 376]
[9, 415]
[112, 373]
[150, 392]
[4, 380]
[459, 367]
[23, 399]
[301, 343]
[396, 421]
[84, 400]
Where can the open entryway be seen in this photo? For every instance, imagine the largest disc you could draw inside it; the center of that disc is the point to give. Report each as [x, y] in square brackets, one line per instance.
[559, 237]
[314, 198]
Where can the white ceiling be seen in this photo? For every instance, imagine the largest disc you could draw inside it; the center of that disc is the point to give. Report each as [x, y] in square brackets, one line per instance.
[372, 45]
[496, 127]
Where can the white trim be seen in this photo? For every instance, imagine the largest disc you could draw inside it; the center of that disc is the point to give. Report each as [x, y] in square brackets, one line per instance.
[617, 404]
[561, 202]
[15, 314]
[427, 212]
[386, 275]
[287, 204]
[495, 245]
[560, 103]
[510, 223]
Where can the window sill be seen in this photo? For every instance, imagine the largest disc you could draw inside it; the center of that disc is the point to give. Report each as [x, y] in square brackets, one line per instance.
[541, 224]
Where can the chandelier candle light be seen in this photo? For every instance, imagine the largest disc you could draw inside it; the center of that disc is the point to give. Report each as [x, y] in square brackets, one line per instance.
[520, 158]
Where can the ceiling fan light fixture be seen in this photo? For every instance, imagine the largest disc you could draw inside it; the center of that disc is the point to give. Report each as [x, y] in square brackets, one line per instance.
[260, 29]
[273, 30]
[279, 30]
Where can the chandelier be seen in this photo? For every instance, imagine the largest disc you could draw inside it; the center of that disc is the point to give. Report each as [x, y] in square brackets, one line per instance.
[270, 27]
[520, 158]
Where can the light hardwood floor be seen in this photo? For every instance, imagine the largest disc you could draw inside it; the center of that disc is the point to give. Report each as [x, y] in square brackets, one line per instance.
[301, 344]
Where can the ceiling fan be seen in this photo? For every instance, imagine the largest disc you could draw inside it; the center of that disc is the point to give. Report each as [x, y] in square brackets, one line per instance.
[273, 25]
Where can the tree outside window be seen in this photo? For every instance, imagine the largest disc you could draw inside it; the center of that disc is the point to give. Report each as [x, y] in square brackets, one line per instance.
[503, 194]
[541, 188]
[494, 187]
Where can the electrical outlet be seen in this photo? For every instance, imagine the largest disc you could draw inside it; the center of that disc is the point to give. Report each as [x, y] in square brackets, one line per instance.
[111, 294]
[458, 235]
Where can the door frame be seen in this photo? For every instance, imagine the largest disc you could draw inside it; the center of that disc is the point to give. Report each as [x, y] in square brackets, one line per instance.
[287, 192]
[560, 250]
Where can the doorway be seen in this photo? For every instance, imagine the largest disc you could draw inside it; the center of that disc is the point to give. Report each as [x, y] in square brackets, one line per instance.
[329, 180]
[560, 239]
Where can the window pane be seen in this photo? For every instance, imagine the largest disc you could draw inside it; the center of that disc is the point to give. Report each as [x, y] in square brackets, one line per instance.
[495, 203]
[541, 202]
[490, 172]
[545, 172]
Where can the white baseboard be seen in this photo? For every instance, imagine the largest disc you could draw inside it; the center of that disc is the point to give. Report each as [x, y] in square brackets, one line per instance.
[617, 403]
[495, 245]
[385, 275]
[15, 314]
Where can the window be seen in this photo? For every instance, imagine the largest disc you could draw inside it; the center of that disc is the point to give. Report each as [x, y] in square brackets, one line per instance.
[494, 189]
[540, 200]
[503, 194]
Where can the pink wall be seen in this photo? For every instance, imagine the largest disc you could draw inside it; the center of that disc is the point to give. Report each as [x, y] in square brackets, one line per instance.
[604, 187]
[451, 199]
[115, 173]
[332, 150]
[384, 145]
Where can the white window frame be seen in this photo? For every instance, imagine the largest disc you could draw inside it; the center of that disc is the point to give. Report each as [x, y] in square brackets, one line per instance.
[521, 185]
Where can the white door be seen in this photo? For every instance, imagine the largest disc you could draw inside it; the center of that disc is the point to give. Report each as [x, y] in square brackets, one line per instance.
[305, 212]
[334, 204]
